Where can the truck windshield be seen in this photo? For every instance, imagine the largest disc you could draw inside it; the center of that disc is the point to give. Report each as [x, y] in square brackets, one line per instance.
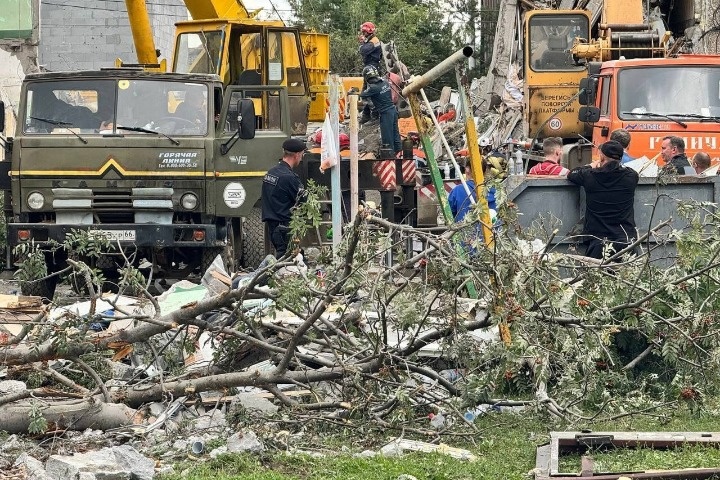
[551, 37]
[101, 107]
[673, 91]
[199, 52]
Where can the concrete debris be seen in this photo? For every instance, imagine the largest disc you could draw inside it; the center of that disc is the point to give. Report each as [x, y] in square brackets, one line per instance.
[33, 468]
[400, 445]
[211, 421]
[142, 468]
[96, 465]
[244, 442]
[218, 451]
[191, 424]
[251, 401]
[8, 387]
[366, 454]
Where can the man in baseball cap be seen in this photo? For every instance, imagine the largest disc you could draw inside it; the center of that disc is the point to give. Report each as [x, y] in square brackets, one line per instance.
[609, 202]
[612, 149]
[281, 191]
[293, 145]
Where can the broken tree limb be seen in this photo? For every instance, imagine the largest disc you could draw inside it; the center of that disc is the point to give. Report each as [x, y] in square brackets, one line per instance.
[16, 418]
[35, 393]
[256, 378]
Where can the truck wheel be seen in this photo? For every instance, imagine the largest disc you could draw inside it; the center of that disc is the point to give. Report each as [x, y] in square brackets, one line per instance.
[232, 253]
[208, 256]
[44, 288]
[253, 240]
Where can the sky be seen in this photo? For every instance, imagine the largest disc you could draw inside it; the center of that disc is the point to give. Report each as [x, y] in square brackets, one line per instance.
[281, 7]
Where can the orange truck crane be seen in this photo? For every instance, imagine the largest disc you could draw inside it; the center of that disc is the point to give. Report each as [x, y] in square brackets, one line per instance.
[629, 77]
[225, 39]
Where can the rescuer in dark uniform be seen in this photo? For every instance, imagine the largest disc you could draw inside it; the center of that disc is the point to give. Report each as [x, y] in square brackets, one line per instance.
[378, 90]
[281, 190]
[371, 52]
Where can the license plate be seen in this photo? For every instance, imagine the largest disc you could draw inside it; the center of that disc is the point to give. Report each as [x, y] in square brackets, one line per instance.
[114, 235]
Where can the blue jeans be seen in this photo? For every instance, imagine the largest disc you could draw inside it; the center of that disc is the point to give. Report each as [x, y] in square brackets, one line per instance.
[389, 131]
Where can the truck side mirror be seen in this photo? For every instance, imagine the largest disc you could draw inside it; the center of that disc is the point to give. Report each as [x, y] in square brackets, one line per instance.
[246, 126]
[2, 116]
[588, 91]
[589, 114]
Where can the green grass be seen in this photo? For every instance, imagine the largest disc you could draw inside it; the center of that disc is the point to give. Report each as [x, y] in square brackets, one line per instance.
[505, 448]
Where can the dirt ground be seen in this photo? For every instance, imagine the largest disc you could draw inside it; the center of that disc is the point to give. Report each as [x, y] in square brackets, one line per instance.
[8, 286]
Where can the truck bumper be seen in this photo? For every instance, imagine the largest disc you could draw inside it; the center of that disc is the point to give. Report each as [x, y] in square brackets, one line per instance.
[139, 235]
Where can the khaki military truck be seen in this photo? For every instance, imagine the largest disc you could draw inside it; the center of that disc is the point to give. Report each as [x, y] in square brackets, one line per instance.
[168, 166]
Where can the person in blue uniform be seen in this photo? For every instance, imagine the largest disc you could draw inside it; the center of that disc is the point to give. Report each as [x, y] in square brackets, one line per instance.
[281, 191]
[378, 90]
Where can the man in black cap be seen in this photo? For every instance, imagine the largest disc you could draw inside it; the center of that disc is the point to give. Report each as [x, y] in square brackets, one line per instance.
[609, 200]
[281, 190]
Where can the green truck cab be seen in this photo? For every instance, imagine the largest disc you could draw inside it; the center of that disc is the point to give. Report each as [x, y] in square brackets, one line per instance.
[168, 166]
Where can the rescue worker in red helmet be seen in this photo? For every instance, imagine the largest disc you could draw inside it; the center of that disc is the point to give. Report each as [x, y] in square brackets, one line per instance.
[378, 90]
[371, 52]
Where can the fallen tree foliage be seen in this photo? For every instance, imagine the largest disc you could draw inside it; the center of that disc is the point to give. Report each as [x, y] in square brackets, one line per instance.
[582, 339]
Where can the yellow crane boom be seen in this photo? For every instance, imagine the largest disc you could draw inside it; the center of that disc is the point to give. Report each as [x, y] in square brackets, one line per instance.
[209, 9]
[142, 35]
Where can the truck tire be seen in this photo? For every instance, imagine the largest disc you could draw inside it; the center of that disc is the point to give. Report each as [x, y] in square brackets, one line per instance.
[44, 288]
[208, 256]
[233, 249]
[253, 240]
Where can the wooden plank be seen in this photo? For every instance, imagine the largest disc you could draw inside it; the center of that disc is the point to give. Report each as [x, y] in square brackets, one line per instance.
[221, 277]
[560, 441]
[14, 302]
[14, 317]
[631, 439]
[542, 462]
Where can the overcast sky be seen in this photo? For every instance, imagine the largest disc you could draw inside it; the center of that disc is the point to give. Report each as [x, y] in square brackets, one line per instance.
[272, 9]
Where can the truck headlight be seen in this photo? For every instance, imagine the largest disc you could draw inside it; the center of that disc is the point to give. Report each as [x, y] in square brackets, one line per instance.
[189, 201]
[36, 200]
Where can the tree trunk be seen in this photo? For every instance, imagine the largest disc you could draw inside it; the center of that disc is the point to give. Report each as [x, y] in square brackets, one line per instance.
[72, 416]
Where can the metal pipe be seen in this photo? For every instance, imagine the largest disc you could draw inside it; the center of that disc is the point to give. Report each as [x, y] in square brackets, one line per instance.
[335, 188]
[354, 190]
[437, 71]
[449, 151]
[641, 27]
[636, 37]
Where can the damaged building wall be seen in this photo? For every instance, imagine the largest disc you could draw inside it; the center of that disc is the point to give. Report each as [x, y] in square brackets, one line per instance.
[71, 36]
[78, 37]
[18, 56]
[696, 22]
[16, 59]
[706, 34]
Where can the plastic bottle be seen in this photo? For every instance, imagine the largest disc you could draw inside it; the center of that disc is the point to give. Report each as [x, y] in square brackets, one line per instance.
[519, 166]
[446, 171]
[437, 420]
[511, 165]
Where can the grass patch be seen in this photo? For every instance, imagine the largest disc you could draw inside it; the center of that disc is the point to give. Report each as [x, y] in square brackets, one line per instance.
[505, 447]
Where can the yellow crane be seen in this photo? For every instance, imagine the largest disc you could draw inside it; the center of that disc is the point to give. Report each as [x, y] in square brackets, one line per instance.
[226, 39]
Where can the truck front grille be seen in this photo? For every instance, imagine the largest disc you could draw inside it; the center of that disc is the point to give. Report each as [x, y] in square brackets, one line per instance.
[107, 206]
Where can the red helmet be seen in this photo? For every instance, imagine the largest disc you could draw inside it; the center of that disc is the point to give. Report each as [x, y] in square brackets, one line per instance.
[368, 28]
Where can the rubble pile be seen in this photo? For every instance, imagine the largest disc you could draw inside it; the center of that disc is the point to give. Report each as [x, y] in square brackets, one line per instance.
[125, 386]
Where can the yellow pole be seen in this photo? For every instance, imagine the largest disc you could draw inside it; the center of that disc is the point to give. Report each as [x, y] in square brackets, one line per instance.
[141, 31]
[476, 164]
